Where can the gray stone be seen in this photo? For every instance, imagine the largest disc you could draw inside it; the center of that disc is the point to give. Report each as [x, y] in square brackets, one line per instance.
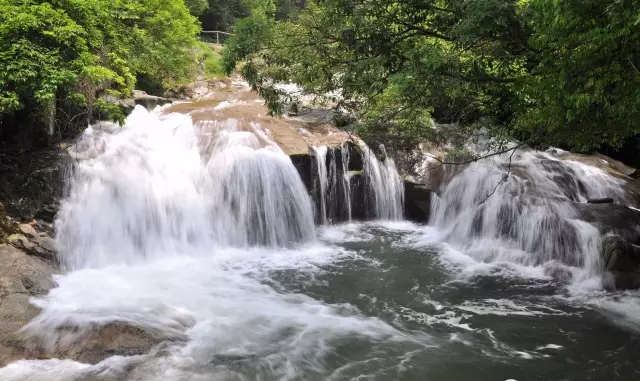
[43, 247]
[28, 230]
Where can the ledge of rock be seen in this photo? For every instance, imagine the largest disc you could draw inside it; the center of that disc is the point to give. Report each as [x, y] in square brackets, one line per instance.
[90, 344]
[21, 277]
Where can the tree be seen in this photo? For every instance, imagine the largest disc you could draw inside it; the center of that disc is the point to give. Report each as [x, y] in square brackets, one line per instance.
[197, 7]
[73, 51]
[544, 71]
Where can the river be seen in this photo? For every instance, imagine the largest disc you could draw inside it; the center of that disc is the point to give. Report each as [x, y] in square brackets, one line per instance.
[208, 238]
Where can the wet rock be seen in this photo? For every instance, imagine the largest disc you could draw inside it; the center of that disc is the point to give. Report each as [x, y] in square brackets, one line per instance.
[417, 202]
[619, 254]
[356, 162]
[116, 339]
[88, 344]
[612, 219]
[358, 197]
[304, 165]
[138, 97]
[605, 200]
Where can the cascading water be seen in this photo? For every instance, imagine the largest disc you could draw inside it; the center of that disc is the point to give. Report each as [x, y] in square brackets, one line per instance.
[320, 154]
[346, 179]
[177, 228]
[384, 186]
[162, 184]
[382, 190]
[520, 209]
[167, 228]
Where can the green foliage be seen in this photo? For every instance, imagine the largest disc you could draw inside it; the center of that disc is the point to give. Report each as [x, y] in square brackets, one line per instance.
[213, 64]
[197, 7]
[548, 72]
[77, 50]
[222, 14]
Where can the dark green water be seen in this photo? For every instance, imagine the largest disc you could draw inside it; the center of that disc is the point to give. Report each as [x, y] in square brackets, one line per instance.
[496, 325]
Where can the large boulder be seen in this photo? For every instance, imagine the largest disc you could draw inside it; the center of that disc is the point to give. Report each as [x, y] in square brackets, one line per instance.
[417, 202]
[612, 219]
[21, 277]
[620, 229]
[91, 343]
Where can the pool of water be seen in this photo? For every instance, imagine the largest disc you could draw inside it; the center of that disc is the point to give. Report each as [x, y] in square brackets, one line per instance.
[368, 302]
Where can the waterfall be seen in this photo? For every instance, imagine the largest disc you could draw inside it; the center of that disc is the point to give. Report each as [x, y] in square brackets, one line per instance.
[320, 154]
[162, 185]
[384, 186]
[520, 209]
[379, 196]
[346, 179]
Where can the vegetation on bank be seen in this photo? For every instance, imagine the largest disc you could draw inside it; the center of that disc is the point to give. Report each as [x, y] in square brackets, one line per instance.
[547, 72]
[543, 71]
[59, 58]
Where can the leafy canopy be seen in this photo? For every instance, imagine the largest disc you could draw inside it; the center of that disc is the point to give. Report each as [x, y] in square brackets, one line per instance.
[79, 49]
[544, 71]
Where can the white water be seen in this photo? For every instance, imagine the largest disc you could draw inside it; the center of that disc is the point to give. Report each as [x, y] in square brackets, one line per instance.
[346, 179]
[384, 188]
[320, 154]
[518, 209]
[175, 228]
[385, 185]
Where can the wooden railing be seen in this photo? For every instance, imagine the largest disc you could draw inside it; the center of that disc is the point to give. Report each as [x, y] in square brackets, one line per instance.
[217, 33]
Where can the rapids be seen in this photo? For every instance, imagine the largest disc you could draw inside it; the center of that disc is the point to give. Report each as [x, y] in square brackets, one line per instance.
[204, 234]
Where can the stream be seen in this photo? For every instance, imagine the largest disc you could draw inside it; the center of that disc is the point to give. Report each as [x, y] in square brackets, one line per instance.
[205, 234]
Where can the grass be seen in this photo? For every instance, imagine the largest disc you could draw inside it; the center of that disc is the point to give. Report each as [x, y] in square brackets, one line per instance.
[213, 63]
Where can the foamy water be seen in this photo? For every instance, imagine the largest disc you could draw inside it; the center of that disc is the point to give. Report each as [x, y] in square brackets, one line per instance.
[204, 235]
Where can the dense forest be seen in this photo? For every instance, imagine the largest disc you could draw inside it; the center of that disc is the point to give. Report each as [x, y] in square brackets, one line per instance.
[543, 71]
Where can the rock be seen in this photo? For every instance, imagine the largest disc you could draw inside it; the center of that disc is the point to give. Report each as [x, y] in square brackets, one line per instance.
[148, 101]
[48, 212]
[417, 202]
[88, 344]
[620, 255]
[304, 165]
[358, 197]
[21, 277]
[7, 226]
[28, 230]
[612, 219]
[606, 200]
[43, 247]
[356, 162]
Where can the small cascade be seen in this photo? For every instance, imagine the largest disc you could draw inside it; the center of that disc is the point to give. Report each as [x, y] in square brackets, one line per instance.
[162, 185]
[362, 188]
[522, 209]
[346, 179]
[384, 186]
[320, 154]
